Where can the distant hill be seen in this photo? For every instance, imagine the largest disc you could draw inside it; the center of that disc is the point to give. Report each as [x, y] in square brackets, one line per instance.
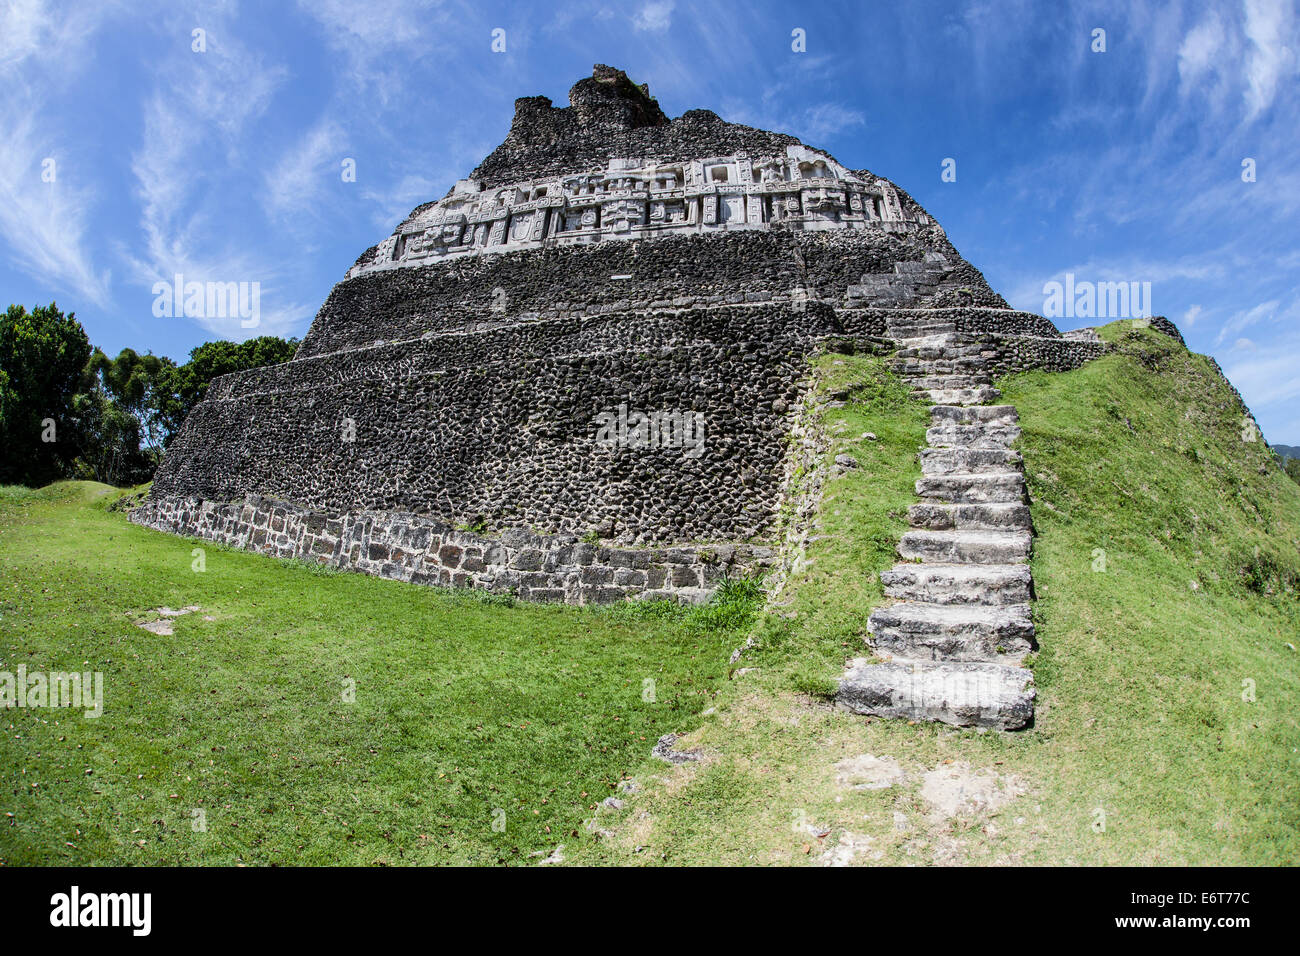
[1287, 451]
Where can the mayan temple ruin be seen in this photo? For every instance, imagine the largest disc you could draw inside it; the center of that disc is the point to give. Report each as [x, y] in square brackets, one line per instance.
[578, 376]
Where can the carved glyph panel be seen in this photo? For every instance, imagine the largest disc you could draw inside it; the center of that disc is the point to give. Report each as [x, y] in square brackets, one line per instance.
[645, 199]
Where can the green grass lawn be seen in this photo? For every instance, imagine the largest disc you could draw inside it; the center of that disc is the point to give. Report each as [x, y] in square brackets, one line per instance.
[1167, 563]
[464, 705]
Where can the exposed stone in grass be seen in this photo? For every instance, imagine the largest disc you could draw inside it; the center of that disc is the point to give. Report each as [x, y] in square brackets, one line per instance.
[665, 751]
[848, 849]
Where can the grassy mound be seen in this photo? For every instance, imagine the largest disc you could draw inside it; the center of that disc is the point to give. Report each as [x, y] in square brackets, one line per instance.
[1166, 565]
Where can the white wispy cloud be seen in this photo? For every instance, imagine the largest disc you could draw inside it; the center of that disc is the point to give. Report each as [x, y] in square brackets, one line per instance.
[1199, 51]
[32, 27]
[45, 223]
[1268, 377]
[1026, 292]
[292, 185]
[394, 202]
[1244, 319]
[811, 122]
[47, 194]
[369, 34]
[1270, 27]
[195, 148]
[655, 16]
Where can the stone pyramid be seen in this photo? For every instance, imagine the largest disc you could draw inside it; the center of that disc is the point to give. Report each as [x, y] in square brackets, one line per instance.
[576, 375]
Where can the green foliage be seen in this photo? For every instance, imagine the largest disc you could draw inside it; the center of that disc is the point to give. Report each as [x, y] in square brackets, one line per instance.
[108, 438]
[1269, 572]
[733, 607]
[142, 387]
[69, 410]
[43, 355]
[1292, 469]
[123, 415]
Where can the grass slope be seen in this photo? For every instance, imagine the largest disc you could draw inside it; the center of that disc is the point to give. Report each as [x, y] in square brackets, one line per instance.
[464, 704]
[1166, 729]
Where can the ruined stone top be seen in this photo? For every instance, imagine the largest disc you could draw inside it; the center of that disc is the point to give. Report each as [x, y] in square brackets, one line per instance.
[612, 165]
[609, 115]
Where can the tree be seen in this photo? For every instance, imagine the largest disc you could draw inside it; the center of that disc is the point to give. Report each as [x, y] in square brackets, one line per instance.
[143, 387]
[43, 356]
[108, 440]
[69, 410]
[1292, 468]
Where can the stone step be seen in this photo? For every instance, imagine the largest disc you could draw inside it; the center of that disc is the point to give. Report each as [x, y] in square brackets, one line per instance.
[1002, 516]
[969, 365]
[981, 435]
[943, 350]
[952, 632]
[921, 338]
[961, 694]
[935, 340]
[953, 380]
[986, 584]
[973, 489]
[971, 414]
[938, 354]
[965, 547]
[961, 396]
[968, 461]
[920, 328]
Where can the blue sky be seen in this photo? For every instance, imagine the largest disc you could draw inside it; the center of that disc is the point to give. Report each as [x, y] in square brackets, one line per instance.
[225, 164]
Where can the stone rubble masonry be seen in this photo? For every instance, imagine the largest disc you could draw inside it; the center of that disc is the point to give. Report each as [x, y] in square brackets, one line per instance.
[1165, 327]
[495, 429]
[1020, 353]
[415, 548]
[847, 270]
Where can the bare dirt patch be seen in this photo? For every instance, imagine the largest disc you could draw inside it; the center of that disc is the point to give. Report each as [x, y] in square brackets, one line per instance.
[957, 790]
[162, 624]
[869, 772]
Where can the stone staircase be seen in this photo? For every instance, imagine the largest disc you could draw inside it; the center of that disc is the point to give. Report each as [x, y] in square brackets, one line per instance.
[951, 648]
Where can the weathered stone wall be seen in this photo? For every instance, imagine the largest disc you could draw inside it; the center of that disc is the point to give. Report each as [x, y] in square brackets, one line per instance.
[377, 459]
[1162, 324]
[498, 429]
[874, 322]
[675, 272]
[1004, 322]
[1020, 353]
[421, 550]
